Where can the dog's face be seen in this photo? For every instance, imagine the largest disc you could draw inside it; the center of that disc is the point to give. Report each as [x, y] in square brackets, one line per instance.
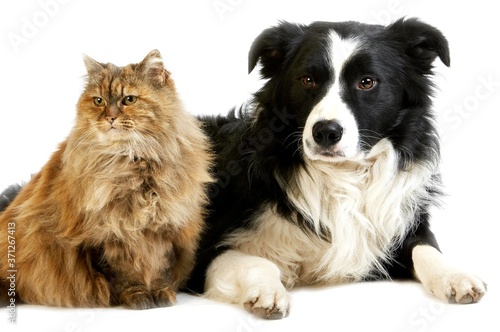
[350, 85]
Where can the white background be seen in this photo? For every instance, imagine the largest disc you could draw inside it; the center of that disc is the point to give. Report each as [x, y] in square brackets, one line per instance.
[205, 45]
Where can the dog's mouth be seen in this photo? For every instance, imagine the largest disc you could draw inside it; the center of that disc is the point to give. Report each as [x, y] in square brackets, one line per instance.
[332, 154]
[316, 152]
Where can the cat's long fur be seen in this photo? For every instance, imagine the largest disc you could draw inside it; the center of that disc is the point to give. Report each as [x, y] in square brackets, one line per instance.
[114, 217]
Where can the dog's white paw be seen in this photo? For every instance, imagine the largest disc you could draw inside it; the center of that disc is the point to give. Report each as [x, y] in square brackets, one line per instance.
[458, 287]
[267, 301]
[250, 281]
[444, 280]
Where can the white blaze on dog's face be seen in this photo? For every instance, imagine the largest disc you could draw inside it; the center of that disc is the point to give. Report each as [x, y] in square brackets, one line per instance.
[331, 131]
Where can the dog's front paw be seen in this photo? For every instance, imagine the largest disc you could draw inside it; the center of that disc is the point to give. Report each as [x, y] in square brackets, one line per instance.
[444, 280]
[251, 281]
[268, 302]
[459, 287]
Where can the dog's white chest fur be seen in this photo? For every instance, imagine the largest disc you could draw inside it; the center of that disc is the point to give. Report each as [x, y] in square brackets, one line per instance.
[367, 206]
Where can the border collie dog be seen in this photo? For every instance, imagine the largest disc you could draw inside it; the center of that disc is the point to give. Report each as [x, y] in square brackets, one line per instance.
[328, 174]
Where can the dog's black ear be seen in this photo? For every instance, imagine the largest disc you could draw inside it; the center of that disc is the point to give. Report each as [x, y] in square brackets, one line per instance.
[8, 195]
[423, 43]
[272, 46]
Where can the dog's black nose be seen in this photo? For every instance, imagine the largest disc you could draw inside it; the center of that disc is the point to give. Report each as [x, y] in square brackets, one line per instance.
[327, 132]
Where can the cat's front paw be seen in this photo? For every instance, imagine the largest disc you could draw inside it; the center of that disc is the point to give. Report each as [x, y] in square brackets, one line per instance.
[101, 292]
[164, 297]
[137, 298]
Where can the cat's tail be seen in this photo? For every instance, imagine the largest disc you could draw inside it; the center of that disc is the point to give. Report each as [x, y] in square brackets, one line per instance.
[8, 195]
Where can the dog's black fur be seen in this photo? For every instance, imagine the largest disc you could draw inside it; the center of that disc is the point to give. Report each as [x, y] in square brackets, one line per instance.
[8, 195]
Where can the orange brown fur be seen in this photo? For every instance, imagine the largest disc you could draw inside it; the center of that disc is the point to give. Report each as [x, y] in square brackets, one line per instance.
[114, 217]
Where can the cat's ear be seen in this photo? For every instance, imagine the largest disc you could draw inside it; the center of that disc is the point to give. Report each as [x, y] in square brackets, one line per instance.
[152, 67]
[92, 66]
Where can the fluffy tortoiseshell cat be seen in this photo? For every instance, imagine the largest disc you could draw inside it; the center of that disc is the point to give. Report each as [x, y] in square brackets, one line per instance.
[114, 217]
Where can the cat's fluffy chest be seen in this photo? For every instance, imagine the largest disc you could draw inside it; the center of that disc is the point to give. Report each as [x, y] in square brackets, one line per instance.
[122, 195]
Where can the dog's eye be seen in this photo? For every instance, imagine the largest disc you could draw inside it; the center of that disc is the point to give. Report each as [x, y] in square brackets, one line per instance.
[366, 83]
[129, 100]
[308, 82]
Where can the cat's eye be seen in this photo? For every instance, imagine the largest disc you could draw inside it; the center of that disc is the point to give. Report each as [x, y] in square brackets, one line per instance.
[366, 83]
[98, 101]
[129, 100]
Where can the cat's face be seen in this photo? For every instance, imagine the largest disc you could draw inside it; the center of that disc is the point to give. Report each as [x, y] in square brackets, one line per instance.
[127, 104]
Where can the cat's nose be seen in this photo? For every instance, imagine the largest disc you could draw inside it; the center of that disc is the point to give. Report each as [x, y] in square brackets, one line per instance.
[112, 114]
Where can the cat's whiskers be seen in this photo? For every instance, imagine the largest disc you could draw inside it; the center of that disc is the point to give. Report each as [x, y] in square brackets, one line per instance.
[85, 139]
